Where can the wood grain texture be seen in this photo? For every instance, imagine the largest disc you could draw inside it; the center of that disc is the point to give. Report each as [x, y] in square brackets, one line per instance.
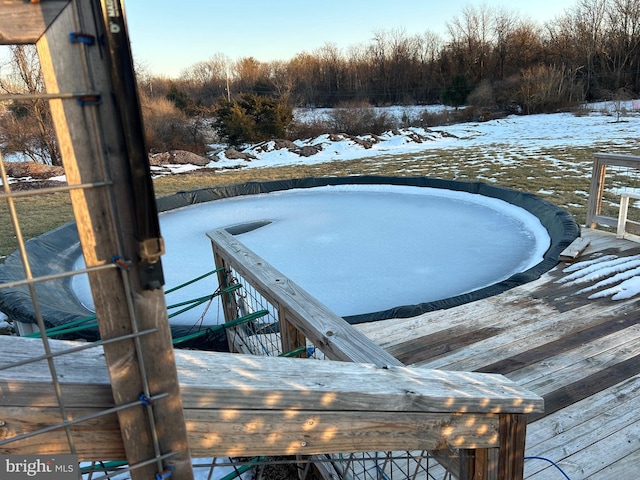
[580, 354]
[246, 405]
[24, 22]
[93, 149]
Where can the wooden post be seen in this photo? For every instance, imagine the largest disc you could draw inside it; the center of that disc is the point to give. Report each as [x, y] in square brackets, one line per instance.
[596, 190]
[92, 143]
[228, 300]
[290, 337]
[513, 433]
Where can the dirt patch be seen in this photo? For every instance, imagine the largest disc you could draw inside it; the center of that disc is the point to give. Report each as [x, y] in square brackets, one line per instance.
[38, 171]
[178, 157]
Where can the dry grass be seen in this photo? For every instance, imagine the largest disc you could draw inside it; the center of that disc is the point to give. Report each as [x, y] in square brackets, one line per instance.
[36, 215]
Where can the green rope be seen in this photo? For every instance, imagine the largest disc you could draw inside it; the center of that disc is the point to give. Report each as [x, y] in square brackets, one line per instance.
[104, 466]
[195, 303]
[295, 352]
[217, 328]
[62, 329]
[81, 324]
[70, 327]
[245, 319]
[199, 301]
[240, 470]
[194, 280]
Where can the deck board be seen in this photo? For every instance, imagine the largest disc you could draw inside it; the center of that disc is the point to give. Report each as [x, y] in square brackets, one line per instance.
[581, 354]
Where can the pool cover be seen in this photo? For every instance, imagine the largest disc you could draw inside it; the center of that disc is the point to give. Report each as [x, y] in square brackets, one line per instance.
[56, 252]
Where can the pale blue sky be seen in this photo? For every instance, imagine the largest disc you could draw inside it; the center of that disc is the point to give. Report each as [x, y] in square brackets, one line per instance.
[168, 36]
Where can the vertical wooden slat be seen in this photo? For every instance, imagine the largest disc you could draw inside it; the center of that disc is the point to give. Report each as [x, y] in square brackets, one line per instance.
[228, 300]
[596, 190]
[290, 337]
[86, 135]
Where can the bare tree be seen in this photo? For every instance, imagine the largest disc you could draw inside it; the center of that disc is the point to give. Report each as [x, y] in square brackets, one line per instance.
[27, 129]
[471, 40]
[207, 81]
[623, 42]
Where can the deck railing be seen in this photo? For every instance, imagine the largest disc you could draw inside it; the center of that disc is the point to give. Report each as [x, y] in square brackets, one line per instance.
[298, 325]
[614, 179]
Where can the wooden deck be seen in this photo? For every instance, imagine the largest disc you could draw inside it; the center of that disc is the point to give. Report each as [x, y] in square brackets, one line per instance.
[581, 355]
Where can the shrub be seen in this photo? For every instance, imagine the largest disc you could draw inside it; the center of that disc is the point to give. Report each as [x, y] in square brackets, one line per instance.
[181, 100]
[456, 94]
[167, 128]
[308, 129]
[252, 118]
[360, 119]
[545, 89]
[483, 96]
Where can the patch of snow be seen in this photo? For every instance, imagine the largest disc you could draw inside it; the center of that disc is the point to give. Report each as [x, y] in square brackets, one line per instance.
[619, 276]
[599, 270]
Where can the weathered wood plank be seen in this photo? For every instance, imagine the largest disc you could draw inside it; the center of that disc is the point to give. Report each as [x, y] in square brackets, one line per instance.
[94, 150]
[574, 250]
[610, 418]
[554, 335]
[25, 22]
[255, 432]
[211, 378]
[579, 337]
[584, 387]
[98, 438]
[247, 405]
[559, 370]
[486, 313]
[620, 160]
[526, 335]
[602, 452]
[249, 432]
[513, 430]
[625, 467]
[335, 337]
[581, 413]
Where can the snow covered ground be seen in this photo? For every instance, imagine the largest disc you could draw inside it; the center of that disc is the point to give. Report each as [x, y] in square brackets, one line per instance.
[595, 125]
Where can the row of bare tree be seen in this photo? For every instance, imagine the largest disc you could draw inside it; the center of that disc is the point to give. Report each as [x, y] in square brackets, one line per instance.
[590, 52]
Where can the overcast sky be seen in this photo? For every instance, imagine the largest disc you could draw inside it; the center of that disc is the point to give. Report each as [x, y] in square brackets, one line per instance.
[168, 36]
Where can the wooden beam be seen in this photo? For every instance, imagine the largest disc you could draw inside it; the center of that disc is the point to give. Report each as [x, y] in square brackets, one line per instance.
[93, 148]
[248, 432]
[614, 159]
[245, 405]
[513, 432]
[25, 22]
[574, 250]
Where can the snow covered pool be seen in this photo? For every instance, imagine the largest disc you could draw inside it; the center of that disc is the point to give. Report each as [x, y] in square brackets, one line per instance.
[367, 247]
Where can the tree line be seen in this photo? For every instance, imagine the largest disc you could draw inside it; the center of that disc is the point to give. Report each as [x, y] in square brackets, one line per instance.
[490, 59]
[490, 56]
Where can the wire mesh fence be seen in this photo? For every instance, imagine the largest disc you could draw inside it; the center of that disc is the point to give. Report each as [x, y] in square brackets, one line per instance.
[261, 336]
[259, 330]
[40, 411]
